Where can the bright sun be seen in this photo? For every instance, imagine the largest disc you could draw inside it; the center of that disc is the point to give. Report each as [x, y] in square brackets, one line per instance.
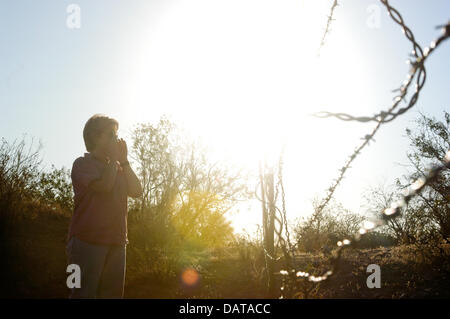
[244, 75]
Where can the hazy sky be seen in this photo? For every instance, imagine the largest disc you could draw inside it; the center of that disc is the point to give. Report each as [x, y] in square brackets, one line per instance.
[242, 75]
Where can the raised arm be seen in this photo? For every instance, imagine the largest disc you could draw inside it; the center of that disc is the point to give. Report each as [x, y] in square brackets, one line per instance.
[134, 185]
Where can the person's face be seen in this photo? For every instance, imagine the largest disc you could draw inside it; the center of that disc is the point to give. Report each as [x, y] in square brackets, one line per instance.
[107, 139]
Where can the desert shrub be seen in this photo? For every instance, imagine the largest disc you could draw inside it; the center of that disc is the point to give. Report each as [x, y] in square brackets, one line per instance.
[376, 239]
[326, 227]
[19, 175]
[54, 190]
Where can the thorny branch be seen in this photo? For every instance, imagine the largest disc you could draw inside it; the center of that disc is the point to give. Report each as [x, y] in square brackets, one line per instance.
[417, 71]
[417, 67]
[327, 29]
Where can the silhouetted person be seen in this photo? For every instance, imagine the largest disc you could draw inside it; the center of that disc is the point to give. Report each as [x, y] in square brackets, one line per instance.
[102, 181]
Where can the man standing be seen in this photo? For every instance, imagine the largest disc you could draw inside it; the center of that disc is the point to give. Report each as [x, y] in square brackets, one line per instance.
[102, 181]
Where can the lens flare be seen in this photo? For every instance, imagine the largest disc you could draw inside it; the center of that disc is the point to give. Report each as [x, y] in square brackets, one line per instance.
[190, 276]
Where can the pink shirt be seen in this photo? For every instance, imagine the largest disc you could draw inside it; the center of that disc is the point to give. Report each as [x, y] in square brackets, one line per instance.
[98, 217]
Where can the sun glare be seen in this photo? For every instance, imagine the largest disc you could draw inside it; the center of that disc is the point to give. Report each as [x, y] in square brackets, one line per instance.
[245, 77]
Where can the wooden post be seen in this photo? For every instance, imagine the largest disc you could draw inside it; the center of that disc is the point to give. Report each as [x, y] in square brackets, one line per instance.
[270, 232]
[268, 219]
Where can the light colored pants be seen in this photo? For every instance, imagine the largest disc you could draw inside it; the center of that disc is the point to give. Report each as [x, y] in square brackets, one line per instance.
[102, 269]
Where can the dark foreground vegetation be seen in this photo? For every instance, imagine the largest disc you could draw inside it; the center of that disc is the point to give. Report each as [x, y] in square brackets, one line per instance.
[34, 267]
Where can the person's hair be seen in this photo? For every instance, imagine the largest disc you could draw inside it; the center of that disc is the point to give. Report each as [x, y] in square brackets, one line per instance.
[95, 126]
